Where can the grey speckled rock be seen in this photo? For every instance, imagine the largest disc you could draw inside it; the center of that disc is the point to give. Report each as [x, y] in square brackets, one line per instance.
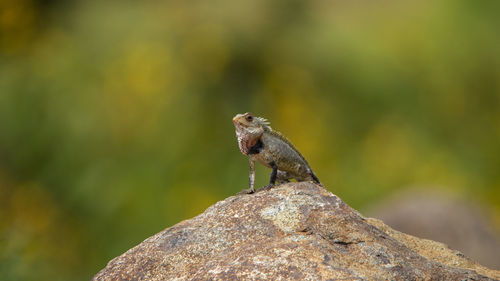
[295, 231]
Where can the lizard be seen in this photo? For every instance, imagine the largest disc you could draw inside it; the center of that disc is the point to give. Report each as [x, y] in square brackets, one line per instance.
[270, 148]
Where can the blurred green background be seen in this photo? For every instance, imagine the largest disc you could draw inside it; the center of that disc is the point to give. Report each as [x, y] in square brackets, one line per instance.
[115, 116]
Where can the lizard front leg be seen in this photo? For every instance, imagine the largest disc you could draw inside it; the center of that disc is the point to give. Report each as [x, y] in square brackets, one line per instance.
[251, 178]
[274, 174]
[251, 174]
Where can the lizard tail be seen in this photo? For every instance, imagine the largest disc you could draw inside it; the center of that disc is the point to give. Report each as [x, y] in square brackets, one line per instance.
[315, 178]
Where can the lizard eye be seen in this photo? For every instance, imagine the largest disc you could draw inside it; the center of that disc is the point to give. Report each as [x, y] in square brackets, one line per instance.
[249, 118]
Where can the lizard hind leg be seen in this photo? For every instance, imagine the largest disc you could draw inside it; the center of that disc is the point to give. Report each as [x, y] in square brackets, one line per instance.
[283, 177]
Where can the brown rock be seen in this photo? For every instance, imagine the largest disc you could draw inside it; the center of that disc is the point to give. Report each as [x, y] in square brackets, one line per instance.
[295, 231]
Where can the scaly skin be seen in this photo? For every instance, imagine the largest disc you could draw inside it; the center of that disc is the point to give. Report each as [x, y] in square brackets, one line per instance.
[257, 140]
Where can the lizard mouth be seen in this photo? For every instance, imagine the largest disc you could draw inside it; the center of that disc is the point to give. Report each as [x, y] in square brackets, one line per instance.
[237, 122]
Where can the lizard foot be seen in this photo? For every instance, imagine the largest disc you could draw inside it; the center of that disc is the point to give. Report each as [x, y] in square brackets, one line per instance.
[246, 191]
[267, 187]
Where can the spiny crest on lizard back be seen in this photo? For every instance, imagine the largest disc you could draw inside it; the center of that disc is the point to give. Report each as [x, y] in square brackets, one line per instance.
[263, 121]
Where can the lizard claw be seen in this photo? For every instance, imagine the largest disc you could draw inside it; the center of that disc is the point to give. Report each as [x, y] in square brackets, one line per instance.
[246, 191]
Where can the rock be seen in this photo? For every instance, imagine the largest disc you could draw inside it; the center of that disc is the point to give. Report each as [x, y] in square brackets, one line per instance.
[295, 231]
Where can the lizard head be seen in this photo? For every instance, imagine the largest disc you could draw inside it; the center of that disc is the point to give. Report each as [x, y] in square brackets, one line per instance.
[249, 122]
[248, 130]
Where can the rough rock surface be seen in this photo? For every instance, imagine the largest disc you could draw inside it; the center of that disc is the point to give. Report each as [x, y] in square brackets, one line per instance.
[295, 231]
